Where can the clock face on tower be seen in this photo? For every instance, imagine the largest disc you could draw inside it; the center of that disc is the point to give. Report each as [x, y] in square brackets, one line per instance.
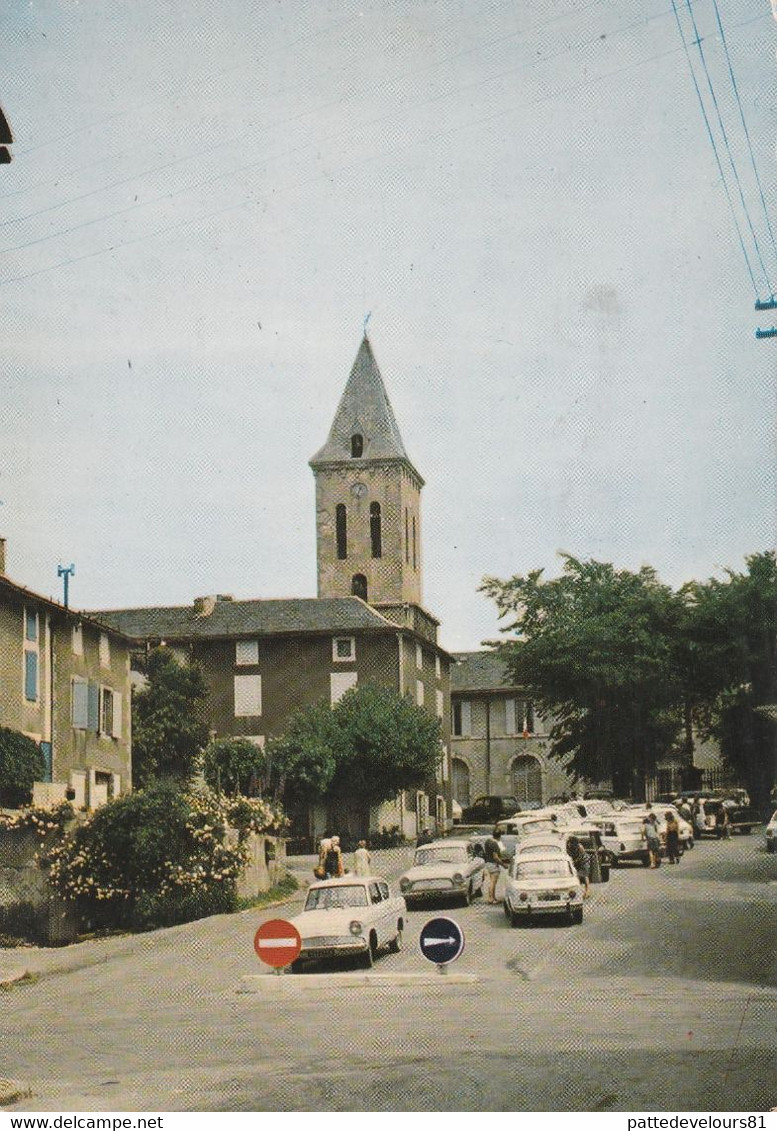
[359, 490]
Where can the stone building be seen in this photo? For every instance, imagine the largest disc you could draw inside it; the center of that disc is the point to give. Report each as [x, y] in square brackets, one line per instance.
[263, 659]
[65, 683]
[498, 742]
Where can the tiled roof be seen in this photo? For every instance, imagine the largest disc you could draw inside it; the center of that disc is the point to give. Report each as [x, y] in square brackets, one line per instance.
[365, 409]
[479, 671]
[69, 613]
[244, 618]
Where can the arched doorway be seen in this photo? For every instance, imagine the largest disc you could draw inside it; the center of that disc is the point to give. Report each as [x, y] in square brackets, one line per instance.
[526, 778]
[460, 781]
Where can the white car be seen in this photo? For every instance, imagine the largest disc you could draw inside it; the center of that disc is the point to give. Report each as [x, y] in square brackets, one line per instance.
[660, 810]
[771, 833]
[622, 837]
[514, 829]
[351, 915]
[543, 885]
[443, 869]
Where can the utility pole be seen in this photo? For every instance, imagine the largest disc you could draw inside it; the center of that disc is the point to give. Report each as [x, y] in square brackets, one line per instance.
[66, 572]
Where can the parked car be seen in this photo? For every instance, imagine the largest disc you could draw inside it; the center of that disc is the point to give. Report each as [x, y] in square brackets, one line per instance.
[489, 808]
[590, 837]
[741, 818]
[514, 829]
[543, 885]
[771, 833]
[349, 916]
[621, 836]
[444, 869]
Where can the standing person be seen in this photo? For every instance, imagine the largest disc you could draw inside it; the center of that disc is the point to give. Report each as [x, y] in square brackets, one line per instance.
[333, 860]
[362, 860]
[492, 854]
[324, 845]
[699, 817]
[425, 837]
[652, 839]
[579, 858]
[672, 838]
[724, 822]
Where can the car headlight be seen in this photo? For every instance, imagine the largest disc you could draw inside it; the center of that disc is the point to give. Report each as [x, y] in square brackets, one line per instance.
[404, 883]
[458, 878]
[572, 893]
[523, 896]
[355, 927]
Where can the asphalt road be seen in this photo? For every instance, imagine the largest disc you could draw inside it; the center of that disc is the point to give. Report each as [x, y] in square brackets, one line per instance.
[664, 999]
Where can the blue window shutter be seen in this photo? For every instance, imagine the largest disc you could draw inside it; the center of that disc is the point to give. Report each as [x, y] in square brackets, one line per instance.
[46, 752]
[31, 676]
[93, 707]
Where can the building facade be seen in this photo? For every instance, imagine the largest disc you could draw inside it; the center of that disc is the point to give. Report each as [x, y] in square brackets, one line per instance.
[65, 683]
[263, 660]
[499, 744]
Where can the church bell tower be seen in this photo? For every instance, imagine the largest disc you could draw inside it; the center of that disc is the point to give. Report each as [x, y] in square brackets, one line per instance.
[368, 500]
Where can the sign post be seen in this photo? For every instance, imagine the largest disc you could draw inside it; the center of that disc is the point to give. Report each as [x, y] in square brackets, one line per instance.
[441, 942]
[277, 943]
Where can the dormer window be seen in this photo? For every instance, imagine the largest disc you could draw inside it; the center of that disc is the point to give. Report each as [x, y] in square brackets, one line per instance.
[357, 445]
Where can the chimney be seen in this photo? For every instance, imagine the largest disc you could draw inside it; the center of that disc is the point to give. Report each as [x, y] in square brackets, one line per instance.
[2, 555]
[204, 606]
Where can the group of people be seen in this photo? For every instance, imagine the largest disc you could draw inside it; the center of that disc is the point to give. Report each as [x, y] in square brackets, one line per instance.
[331, 863]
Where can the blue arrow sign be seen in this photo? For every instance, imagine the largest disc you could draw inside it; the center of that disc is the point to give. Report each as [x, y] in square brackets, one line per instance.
[441, 941]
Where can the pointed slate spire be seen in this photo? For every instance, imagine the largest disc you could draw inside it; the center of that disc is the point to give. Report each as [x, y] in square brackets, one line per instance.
[364, 410]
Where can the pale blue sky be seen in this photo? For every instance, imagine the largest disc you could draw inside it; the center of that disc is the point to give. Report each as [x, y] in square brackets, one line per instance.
[205, 201]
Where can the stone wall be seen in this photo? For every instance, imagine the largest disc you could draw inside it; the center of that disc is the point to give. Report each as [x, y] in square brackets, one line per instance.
[25, 895]
[266, 865]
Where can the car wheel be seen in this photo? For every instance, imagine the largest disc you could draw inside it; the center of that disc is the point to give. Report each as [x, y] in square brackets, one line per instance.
[396, 943]
[514, 919]
[745, 830]
[645, 858]
[770, 847]
[577, 915]
[296, 966]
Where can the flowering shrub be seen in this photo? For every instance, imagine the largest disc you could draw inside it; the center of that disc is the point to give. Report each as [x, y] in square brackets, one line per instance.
[44, 821]
[157, 857]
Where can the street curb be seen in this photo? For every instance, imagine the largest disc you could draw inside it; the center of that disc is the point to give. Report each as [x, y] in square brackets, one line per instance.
[13, 1090]
[268, 985]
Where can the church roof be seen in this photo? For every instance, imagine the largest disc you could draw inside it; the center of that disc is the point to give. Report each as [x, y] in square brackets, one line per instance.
[214, 617]
[364, 410]
[480, 671]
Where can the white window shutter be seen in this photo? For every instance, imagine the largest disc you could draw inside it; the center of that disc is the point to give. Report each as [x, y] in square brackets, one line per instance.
[339, 683]
[248, 695]
[116, 732]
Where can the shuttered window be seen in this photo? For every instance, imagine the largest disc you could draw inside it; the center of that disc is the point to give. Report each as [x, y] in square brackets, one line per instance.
[248, 695]
[31, 676]
[79, 704]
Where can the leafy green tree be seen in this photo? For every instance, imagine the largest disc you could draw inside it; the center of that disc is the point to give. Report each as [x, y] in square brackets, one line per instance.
[383, 743]
[21, 764]
[364, 750]
[234, 765]
[169, 729]
[595, 650]
[300, 762]
[731, 633]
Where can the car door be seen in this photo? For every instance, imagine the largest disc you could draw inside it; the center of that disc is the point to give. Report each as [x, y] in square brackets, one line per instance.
[380, 911]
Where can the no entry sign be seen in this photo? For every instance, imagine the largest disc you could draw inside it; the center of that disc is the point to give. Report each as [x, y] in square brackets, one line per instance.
[277, 942]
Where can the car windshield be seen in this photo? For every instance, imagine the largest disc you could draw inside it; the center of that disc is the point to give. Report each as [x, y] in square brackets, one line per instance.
[450, 854]
[528, 828]
[336, 896]
[542, 850]
[540, 868]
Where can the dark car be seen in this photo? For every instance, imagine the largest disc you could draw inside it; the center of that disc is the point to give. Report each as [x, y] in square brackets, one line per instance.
[489, 808]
